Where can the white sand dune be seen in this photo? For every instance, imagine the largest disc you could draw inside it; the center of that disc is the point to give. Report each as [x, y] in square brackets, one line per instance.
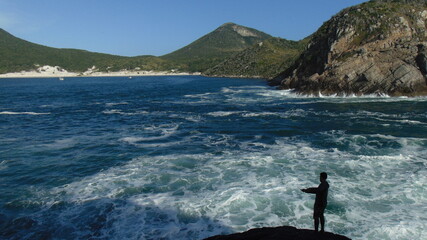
[49, 71]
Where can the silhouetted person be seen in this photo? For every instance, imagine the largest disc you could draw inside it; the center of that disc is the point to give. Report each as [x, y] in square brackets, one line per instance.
[321, 201]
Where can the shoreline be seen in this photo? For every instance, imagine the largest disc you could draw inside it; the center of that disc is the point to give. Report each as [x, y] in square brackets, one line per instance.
[99, 74]
[58, 72]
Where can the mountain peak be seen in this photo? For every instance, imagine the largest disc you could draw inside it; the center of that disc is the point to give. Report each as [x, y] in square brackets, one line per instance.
[241, 30]
[217, 45]
[400, 1]
[228, 24]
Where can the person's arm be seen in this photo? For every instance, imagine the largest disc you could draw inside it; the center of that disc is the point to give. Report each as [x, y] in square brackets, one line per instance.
[310, 190]
[322, 187]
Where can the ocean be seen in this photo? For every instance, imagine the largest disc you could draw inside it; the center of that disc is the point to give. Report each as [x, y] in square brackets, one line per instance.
[188, 157]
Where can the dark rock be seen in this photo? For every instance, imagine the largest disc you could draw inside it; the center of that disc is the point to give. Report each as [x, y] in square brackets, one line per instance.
[421, 59]
[280, 233]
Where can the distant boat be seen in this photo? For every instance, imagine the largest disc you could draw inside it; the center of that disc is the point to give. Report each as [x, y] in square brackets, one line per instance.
[61, 79]
[130, 77]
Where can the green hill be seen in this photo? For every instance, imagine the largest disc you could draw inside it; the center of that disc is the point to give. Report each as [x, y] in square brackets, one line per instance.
[265, 60]
[18, 55]
[216, 46]
[249, 52]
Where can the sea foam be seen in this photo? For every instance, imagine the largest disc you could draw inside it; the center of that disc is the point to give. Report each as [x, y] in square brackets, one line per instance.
[22, 113]
[250, 189]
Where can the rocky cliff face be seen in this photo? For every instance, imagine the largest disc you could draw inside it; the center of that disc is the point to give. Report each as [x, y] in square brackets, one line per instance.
[378, 47]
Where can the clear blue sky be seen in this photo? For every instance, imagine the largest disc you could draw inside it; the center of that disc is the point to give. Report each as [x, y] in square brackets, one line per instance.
[156, 27]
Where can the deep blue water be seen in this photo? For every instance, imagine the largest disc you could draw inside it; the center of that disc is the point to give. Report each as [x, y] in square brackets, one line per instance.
[190, 157]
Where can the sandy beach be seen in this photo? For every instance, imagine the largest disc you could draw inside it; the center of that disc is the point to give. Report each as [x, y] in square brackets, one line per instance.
[58, 72]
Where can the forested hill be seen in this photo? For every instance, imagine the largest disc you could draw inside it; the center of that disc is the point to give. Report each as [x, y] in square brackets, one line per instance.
[216, 46]
[18, 55]
[229, 50]
[264, 60]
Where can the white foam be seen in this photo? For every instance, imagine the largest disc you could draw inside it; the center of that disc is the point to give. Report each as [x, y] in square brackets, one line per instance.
[245, 189]
[229, 90]
[120, 112]
[224, 113]
[22, 113]
[154, 133]
[116, 103]
[411, 122]
[292, 94]
[61, 143]
[259, 114]
[201, 95]
[268, 94]
[3, 164]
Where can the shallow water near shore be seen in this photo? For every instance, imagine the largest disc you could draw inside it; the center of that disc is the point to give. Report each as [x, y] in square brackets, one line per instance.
[188, 157]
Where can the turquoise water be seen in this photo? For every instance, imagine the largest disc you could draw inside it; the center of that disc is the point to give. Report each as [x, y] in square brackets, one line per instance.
[191, 157]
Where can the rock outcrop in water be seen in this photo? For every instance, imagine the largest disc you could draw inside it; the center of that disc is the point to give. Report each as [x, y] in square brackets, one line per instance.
[378, 47]
[280, 233]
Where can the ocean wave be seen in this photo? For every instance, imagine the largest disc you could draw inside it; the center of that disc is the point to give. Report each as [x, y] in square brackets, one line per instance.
[22, 113]
[3, 164]
[245, 188]
[201, 95]
[230, 90]
[154, 133]
[120, 112]
[292, 94]
[407, 121]
[61, 143]
[224, 113]
[261, 114]
[116, 103]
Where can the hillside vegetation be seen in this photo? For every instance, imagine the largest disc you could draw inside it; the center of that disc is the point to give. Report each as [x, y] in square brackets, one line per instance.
[19, 55]
[264, 60]
[216, 46]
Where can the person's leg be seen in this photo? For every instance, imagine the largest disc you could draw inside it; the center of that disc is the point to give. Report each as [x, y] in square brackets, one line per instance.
[316, 224]
[322, 223]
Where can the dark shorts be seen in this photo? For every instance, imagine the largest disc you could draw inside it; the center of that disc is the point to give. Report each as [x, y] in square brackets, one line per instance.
[318, 212]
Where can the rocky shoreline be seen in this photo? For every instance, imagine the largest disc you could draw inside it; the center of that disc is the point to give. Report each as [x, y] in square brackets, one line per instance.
[280, 233]
[378, 47]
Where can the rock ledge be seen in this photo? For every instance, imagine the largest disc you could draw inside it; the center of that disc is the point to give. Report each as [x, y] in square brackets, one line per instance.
[280, 233]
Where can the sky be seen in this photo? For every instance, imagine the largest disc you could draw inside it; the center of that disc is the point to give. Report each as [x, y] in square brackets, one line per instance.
[156, 27]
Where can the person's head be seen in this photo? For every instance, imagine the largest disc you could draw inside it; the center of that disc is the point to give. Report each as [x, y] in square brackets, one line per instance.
[323, 176]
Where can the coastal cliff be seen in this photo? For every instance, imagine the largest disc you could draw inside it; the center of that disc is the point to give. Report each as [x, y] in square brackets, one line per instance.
[280, 233]
[378, 47]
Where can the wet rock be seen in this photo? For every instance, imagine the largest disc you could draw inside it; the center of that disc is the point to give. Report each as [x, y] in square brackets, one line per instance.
[280, 233]
[421, 58]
